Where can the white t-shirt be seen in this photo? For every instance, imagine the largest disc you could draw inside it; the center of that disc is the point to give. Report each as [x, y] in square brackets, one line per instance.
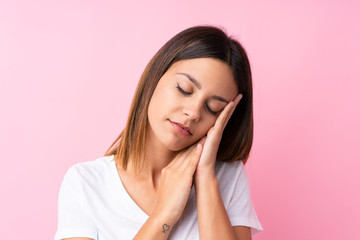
[93, 203]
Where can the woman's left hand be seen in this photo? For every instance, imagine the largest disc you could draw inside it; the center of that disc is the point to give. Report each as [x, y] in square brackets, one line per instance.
[212, 140]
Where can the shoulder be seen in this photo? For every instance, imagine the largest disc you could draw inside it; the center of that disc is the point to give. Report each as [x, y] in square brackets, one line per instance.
[229, 170]
[231, 177]
[90, 171]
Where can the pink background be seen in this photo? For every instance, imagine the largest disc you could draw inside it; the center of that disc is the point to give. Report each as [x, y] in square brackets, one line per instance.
[68, 71]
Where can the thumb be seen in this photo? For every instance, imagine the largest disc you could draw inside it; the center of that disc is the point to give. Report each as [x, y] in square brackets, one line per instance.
[202, 140]
[195, 158]
[199, 147]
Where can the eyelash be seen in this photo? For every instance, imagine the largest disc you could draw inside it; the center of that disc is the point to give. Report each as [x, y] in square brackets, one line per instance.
[182, 90]
[187, 94]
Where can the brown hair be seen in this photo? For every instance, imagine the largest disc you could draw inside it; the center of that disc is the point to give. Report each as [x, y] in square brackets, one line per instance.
[194, 42]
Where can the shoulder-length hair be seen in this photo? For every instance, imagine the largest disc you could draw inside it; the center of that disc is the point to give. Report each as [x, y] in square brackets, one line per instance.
[194, 42]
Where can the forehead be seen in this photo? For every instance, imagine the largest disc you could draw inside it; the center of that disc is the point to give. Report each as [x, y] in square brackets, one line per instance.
[211, 73]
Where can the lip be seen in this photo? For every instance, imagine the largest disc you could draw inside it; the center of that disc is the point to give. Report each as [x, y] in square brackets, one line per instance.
[181, 128]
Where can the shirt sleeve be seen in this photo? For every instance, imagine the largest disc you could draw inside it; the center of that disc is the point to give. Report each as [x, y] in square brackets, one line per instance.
[241, 211]
[73, 220]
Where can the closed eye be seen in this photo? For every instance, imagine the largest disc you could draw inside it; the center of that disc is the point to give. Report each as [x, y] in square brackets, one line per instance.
[210, 110]
[188, 93]
[182, 90]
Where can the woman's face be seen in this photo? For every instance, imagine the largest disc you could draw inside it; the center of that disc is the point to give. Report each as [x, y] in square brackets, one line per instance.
[187, 100]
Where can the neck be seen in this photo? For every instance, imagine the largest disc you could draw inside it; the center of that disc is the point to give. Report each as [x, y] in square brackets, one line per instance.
[157, 156]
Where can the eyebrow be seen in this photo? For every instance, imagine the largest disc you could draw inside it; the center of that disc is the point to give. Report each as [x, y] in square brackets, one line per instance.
[192, 79]
[198, 85]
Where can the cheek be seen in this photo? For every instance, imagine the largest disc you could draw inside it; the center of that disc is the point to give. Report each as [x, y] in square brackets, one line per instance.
[161, 101]
[205, 126]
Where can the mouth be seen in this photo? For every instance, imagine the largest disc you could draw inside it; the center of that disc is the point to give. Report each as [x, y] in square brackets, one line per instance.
[181, 128]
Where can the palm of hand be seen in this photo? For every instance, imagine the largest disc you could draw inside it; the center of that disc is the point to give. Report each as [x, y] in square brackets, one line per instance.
[212, 140]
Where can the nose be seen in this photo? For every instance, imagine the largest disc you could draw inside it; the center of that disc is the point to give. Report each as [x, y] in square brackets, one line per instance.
[192, 110]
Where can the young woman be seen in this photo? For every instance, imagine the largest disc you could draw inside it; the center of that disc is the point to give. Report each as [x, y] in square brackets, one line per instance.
[177, 169]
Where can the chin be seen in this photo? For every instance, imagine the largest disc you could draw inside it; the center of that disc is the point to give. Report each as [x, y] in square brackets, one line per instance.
[178, 146]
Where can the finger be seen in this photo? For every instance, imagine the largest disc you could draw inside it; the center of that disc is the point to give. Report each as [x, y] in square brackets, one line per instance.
[226, 114]
[183, 159]
[222, 118]
[194, 158]
[202, 140]
[178, 158]
[186, 164]
[238, 98]
[236, 102]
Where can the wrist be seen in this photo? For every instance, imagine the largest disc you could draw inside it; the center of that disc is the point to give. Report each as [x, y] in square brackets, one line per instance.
[163, 216]
[157, 226]
[205, 176]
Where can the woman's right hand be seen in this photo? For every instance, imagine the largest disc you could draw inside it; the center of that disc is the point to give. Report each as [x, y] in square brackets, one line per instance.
[176, 182]
[174, 191]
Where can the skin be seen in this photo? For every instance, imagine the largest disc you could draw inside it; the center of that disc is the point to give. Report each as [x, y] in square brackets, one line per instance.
[175, 159]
